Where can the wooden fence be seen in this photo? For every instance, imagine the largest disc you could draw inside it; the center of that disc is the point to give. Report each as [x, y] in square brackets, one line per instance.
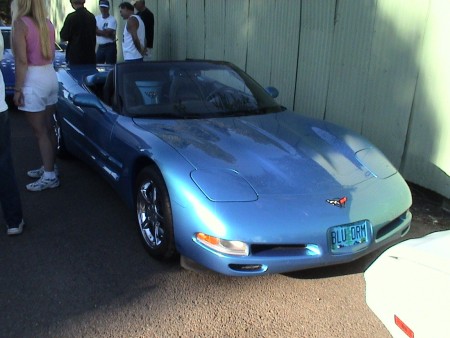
[379, 67]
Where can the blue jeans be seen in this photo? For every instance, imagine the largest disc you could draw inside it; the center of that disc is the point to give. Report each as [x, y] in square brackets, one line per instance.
[9, 192]
[107, 53]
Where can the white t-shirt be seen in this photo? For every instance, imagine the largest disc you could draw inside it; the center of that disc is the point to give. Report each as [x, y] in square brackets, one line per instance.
[105, 23]
[3, 105]
[129, 49]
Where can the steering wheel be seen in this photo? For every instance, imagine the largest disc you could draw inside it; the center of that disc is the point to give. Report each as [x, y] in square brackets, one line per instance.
[214, 94]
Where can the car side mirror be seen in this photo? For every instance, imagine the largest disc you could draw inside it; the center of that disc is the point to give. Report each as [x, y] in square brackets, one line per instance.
[85, 100]
[272, 91]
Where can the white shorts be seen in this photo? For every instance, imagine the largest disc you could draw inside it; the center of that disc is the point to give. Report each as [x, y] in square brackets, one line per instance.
[40, 88]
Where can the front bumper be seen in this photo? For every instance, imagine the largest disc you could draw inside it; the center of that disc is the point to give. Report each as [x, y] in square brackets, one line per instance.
[265, 259]
[292, 233]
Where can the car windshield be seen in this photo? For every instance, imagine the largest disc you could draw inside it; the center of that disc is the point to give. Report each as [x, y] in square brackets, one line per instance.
[190, 89]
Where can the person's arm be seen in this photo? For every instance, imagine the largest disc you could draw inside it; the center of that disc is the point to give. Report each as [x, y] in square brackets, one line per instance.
[132, 27]
[151, 31]
[107, 33]
[20, 56]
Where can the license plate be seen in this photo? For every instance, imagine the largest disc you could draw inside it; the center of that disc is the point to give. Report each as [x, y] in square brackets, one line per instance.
[349, 237]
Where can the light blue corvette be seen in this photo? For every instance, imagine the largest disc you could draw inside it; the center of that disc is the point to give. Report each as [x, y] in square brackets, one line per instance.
[222, 175]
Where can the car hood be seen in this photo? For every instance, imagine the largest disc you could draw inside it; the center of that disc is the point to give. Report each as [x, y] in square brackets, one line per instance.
[428, 252]
[411, 279]
[281, 153]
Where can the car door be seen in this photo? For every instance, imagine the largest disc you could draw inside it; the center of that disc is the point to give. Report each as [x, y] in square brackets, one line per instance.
[86, 127]
[98, 127]
[70, 116]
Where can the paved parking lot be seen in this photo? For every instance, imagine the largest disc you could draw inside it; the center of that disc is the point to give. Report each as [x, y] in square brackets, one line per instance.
[79, 270]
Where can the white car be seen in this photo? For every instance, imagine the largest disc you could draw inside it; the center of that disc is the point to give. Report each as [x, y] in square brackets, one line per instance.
[408, 287]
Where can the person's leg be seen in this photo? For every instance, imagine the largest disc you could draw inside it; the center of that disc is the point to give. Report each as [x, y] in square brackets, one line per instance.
[111, 54]
[9, 192]
[41, 93]
[37, 173]
[100, 55]
[42, 125]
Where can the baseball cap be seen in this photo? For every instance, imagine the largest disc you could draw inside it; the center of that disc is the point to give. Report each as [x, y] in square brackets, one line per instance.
[104, 3]
[133, 2]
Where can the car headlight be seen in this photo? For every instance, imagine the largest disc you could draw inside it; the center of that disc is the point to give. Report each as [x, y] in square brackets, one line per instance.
[236, 248]
[223, 185]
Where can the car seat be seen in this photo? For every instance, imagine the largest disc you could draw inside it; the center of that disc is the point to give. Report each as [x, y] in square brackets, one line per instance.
[108, 88]
[183, 88]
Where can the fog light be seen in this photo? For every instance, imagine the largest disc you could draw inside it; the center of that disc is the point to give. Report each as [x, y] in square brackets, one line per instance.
[236, 248]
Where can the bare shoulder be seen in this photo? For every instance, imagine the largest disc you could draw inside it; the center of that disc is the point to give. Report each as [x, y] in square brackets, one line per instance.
[133, 23]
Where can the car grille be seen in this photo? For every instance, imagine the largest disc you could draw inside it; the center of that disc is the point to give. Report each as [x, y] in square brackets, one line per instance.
[391, 226]
[285, 250]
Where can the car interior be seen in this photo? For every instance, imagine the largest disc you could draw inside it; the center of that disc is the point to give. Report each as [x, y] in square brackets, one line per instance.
[164, 90]
[164, 87]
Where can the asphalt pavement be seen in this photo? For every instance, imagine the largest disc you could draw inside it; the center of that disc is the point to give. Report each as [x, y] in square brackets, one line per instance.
[79, 270]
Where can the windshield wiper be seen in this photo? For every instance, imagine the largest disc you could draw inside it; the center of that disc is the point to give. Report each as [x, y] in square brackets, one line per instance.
[170, 115]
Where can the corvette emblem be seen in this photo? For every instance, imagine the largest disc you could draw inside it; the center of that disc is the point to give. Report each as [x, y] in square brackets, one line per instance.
[338, 202]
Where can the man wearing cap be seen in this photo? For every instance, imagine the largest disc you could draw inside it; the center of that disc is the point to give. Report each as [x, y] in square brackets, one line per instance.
[106, 35]
[149, 22]
[79, 31]
[133, 41]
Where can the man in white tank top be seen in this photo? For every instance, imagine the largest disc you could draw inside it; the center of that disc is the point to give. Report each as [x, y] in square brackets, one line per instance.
[133, 43]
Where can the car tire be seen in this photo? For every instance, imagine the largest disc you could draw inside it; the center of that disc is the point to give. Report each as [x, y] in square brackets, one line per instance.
[154, 214]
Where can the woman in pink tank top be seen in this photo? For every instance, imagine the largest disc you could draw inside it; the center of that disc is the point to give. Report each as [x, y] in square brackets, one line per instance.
[36, 90]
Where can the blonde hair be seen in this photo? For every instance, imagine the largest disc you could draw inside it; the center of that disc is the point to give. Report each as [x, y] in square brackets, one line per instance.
[36, 10]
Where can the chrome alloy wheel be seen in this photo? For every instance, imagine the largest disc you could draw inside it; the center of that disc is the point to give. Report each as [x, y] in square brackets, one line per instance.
[150, 219]
[154, 214]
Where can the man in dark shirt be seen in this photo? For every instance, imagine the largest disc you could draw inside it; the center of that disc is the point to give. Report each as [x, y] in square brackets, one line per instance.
[149, 22]
[79, 30]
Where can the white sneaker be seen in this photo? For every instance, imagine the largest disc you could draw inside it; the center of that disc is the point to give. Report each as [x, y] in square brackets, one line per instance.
[37, 173]
[16, 230]
[43, 183]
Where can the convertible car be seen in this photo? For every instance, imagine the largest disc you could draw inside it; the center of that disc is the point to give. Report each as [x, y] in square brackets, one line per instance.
[221, 174]
[7, 65]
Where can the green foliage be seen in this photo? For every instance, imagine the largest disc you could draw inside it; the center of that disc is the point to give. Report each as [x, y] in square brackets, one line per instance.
[5, 13]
